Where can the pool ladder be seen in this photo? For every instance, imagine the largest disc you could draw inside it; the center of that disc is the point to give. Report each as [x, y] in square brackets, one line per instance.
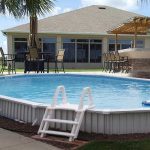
[80, 109]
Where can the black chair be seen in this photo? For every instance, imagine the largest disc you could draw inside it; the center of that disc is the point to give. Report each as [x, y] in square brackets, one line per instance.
[33, 62]
[105, 62]
[59, 59]
[122, 63]
[7, 62]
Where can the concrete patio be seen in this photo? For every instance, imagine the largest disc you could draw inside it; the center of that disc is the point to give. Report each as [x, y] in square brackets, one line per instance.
[13, 141]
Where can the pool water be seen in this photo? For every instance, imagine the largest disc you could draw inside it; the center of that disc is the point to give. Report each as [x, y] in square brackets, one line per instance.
[107, 92]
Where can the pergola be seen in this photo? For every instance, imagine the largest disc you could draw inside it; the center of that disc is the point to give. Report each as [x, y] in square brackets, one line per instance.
[136, 26]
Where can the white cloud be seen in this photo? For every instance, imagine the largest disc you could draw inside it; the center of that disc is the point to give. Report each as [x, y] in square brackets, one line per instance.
[56, 11]
[67, 10]
[122, 4]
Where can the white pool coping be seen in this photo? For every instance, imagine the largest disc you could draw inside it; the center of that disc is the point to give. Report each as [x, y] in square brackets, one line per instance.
[103, 111]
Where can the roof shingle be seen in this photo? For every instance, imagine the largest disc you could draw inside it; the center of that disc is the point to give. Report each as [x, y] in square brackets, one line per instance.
[89, 20]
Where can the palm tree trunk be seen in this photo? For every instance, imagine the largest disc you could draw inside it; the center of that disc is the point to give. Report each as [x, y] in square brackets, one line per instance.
[33, 38]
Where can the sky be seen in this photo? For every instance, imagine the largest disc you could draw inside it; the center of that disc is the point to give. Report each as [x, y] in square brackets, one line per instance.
[62, 6]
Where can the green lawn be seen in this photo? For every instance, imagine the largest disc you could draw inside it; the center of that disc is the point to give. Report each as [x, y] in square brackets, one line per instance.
[116, 145]
[70, 70]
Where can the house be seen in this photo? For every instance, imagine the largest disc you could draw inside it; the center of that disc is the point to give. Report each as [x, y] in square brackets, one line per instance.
[82, 33]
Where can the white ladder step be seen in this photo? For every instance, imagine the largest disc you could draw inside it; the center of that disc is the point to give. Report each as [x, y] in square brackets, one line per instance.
[57, 133]
[61, 121]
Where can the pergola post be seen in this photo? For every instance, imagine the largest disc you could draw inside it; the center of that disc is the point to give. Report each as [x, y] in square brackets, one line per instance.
[116, 42]
[135, 37]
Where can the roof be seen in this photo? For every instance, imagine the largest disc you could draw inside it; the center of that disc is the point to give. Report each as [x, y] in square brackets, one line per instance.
[94, 19]
[138, 25]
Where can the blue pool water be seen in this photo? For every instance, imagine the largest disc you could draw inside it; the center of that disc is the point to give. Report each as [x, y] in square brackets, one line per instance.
[108, 92]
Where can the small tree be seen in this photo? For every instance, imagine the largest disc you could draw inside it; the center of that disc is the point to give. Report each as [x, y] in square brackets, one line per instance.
[10, 6]
[33, 8]
[143, 1]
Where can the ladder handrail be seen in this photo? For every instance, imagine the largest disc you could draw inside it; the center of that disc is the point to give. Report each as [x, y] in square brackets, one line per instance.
[49, 116]
[60, 89]
[86, 91]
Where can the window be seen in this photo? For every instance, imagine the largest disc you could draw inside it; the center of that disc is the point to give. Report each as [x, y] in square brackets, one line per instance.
[121, 44]
[124, 44]
[69, 46]
[49, 45]
[82, 50]
[95, 50]
[140, 43]
[20, 45]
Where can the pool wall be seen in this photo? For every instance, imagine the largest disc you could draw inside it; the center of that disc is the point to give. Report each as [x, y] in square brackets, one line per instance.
[95, 121]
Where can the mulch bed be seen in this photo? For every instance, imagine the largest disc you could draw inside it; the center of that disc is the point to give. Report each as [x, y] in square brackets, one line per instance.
[83, 138]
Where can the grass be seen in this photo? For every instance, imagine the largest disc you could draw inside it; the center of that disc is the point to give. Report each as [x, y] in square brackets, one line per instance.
[118, 145]
[70, 70]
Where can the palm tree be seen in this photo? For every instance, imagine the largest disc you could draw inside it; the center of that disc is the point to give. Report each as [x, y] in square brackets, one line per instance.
[33, 8]
[143, 1]
[11, 6]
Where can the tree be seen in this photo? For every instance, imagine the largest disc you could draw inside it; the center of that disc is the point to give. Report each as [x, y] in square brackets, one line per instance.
[143, 1]
[9, 6]
[33, 8]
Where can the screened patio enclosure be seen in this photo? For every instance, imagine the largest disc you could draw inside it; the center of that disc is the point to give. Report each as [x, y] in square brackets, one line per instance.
[76, 50]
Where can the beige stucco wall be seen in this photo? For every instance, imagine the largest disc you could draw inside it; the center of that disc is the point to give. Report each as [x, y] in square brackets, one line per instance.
[147, 42]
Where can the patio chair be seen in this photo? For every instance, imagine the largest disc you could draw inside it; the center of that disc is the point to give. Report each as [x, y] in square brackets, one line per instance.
[113, 62]
[59, 59]
[122, 63]
[7, 62]
[33, 62]
[109, 62]
[105, 62]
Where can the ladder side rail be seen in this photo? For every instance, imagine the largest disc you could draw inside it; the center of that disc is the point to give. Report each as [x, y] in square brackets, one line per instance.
[42, 122]
[79, 125]
[81, 110]
[47, 124]
[60, 89]
[86, 91]
[76, 127]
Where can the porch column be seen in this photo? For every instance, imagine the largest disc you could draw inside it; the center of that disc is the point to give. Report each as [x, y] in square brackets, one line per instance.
[10, 44]
[135, 37]
[104, 46]
[59, 43]
[116, 42]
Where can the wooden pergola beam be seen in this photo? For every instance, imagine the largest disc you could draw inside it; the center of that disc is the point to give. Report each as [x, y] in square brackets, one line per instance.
[142, 24]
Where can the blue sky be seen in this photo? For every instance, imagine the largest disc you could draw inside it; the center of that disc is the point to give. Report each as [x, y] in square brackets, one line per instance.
[68, 5]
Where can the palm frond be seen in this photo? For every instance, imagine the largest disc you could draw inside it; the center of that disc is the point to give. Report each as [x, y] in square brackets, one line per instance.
[143, 2]
[10, 6]
[36, 7]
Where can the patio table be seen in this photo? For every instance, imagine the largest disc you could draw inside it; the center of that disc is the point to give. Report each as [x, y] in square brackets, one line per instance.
[47, 57]
[44, 55]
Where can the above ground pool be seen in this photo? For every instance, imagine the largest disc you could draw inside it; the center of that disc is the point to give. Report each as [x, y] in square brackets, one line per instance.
[107, 92]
